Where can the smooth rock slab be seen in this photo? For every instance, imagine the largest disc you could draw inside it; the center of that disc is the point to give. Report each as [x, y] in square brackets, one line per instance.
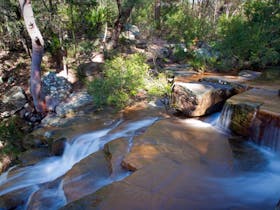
[86, 176]
[171, 159]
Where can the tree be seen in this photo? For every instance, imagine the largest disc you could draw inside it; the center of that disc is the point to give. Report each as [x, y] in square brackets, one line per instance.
[124, 10]
[37, 54]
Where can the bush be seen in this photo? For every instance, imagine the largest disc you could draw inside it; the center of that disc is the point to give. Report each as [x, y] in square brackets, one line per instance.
[11, 136]
[252, 37]
[123, 78]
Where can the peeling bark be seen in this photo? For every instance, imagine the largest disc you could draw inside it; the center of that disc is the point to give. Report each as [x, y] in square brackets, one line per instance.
[37, 53]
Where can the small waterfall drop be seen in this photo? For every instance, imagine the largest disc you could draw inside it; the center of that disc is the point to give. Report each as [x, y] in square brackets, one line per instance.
[224, 119]
[270, 136]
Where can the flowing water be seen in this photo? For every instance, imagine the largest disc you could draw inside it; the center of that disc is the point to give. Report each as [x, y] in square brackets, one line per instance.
[270, 137]
[253, 183]
[32, 177]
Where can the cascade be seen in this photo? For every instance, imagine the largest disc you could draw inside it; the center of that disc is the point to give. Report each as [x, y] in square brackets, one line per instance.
[270, 136]
[49, 169]
[223, 122]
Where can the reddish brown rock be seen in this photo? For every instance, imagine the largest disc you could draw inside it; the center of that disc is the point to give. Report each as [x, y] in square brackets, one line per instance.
[85, 176]
[171, 160]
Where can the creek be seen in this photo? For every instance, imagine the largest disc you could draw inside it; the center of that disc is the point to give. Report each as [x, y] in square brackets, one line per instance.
[252, 183]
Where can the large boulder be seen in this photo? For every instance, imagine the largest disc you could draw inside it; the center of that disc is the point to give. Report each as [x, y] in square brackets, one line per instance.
[131, 32]
[77, 102]
[256, 115]
[13, 101]
[55, 89]
[202, 98]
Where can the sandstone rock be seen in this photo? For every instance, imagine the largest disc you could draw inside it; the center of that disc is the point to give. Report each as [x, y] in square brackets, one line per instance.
[206, 97]
[5, 162]
[89, 69]
[116, 150]
[141, 44]
[255, 114]
[33, 156]
[16, 199]
[249, 75]
[85, 176]
[168, 160]
[58, 146]
[77, 102]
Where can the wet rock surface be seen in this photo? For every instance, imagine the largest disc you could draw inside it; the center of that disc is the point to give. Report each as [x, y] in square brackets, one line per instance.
[85, 176]
[164, 159]
[256, 114]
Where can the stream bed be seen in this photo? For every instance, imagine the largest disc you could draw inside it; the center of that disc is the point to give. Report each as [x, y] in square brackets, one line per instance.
[210, 173]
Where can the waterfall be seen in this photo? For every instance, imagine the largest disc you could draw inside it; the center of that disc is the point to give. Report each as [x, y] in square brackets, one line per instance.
[79, 148]
[270, 137]
[224, 119]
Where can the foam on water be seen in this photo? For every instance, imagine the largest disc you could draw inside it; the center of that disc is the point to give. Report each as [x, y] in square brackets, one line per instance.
[51, 168]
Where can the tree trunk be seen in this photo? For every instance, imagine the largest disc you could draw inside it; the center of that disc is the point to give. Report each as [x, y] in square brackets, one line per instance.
[124, 13]
[37, 54]
[157, 14]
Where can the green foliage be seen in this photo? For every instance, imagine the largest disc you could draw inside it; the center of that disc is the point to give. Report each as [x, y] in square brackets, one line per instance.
[123, 78]
[11, 136]
[179, 53]
[253, 37]
[181, 24]
[143, 17]
[11, 29]
[158, 86]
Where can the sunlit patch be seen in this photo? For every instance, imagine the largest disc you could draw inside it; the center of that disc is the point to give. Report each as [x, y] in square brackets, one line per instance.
[197, 123]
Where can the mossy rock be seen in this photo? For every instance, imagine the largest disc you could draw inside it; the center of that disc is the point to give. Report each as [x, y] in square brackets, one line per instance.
[242, 116]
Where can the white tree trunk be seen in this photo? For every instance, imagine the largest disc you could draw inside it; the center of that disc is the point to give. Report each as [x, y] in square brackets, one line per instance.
[37, 53]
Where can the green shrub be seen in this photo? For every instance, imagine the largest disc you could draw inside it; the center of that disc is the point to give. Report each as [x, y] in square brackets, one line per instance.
[123, 78]
[158, 86]
[11, 136]
[252, 37]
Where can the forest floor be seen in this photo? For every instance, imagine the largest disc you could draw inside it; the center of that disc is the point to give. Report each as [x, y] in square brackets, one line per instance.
[15, 70]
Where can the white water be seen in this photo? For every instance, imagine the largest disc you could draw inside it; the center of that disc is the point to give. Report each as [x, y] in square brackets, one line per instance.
[224, 119]
[252, 189]
[51, 168]
[257, 189]
[270, 138]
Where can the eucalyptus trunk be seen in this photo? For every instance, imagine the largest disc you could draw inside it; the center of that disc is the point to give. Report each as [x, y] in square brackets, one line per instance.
[37, 53]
